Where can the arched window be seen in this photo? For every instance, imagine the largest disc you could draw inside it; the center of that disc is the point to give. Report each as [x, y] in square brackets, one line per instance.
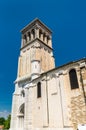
[33, 33]
[73, 79]
[47, 39]
[38, 90]
[40, 33]
[21, 117]
[44, 37]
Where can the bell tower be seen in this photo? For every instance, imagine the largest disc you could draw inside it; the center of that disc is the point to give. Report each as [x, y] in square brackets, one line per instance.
[36, 53]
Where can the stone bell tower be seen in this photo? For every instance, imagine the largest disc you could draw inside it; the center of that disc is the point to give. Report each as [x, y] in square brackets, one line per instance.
[36, 53]
[36, 57]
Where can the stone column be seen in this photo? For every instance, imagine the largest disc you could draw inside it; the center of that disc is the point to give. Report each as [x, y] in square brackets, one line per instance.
[50, 42]
[45, 107]
[26, 110]
[27, 37]
[42, 36]
[15, 104]
[31, 36]
[61, 98]
[37, 32]
[19, 67]
[28, 107]
[45, 39]
[24, 41]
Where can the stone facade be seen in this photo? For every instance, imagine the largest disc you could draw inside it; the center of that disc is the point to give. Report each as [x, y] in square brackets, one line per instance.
[45, 97]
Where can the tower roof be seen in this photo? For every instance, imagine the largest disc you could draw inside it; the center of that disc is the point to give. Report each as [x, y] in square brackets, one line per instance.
[35, 22]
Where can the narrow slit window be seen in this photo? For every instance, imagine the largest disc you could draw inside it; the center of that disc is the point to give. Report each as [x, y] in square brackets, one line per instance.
[73, 79]
[22, 93]
[38, 90]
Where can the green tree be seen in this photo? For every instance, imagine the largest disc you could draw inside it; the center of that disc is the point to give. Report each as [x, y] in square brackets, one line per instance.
[2, 120]
[7, 122]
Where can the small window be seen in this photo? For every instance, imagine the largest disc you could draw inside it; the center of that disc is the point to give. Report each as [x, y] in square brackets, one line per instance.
[38, 90]
[73, 79]
[22, 93]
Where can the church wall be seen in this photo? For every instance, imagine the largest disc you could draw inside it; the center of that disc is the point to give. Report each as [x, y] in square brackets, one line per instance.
[68, 104]
[58, 106]
[37, 110]
[28, 118]
[66, 89]
[45, 103]
[44, 55]
[52, 109]
[61, 104]
[78, 102]
[40, 106]
[54, 104]
[24, 64]
[64, 100]
[74, 98]
[14, 112]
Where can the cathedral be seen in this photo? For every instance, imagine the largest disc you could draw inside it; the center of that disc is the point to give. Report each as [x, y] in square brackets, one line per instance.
[46, 97]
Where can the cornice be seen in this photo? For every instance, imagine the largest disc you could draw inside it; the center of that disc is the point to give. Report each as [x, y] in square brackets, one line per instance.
[36, 39]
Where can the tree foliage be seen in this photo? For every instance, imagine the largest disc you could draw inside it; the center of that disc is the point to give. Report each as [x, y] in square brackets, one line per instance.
[5, 122]
[2, 120]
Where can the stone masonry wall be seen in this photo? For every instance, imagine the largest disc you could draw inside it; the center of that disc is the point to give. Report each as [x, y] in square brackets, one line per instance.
[78, 104]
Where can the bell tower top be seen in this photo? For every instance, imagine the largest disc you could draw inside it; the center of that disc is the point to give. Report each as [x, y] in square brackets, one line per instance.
[36, 30]
[36, 53]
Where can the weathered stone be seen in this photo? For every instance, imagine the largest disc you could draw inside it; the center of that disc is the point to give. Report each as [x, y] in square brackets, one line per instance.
[59, 106]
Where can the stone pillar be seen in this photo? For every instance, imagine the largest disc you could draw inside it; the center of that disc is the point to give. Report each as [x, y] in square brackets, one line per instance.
[45, 39]
[27, 37]
[24, 42]
[31, 36]
[19, 67]
[42, 36]
[50, 42]
[45, 107]
[62, 99]
[28, 107]
[26, 110]
[15, 107]
[37, 33]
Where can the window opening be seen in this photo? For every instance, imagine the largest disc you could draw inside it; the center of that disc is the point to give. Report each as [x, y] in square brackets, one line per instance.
[38, 90]
[73, 79]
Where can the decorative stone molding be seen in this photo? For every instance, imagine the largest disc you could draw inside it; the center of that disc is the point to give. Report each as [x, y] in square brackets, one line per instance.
[60, 72]
[83, 64]
[25, 77]
[29, 85]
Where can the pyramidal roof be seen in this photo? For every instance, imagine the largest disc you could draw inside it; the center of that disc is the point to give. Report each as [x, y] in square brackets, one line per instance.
[35, 22]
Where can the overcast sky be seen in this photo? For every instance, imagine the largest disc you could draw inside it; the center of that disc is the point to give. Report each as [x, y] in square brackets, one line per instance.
[67, 20]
